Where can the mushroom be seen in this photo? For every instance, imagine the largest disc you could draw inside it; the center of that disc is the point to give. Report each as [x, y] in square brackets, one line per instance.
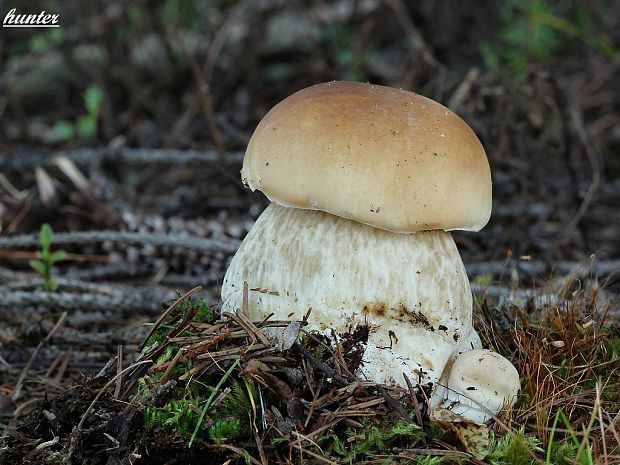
[365, 181]
[478, 385]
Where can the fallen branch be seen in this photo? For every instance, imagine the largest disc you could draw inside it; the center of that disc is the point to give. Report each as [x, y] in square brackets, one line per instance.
[129, 303]
[34, 283]
[518, 297]
[110, 271]
[534, 268]
[123, 237]
[87, 157]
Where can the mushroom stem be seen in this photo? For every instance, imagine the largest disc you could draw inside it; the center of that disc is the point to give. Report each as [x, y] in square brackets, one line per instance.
[411, 289]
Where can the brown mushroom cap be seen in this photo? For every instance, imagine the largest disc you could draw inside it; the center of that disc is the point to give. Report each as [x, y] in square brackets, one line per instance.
[384, 157]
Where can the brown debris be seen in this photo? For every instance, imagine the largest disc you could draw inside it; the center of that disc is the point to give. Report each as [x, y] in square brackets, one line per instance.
[311, 410]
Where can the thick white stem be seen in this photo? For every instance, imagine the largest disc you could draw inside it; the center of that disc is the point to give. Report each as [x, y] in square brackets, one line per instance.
[412, 289]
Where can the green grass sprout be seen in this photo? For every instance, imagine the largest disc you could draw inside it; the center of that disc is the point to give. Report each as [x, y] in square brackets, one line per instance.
[46, 258]
[210, 400]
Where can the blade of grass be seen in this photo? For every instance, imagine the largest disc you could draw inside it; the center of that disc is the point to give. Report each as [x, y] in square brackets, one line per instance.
[550, 442]
[210, 400]
[583, 446]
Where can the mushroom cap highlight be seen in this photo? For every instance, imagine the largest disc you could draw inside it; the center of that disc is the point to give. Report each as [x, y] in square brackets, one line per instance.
[385, 157]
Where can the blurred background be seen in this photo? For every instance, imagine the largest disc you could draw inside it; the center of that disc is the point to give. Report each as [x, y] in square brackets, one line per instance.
[129, 122]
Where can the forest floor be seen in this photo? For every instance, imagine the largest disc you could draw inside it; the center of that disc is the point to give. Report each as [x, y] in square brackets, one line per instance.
[132, 155]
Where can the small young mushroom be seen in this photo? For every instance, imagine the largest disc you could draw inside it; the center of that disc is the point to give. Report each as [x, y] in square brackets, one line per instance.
[365, 181]
[479, 384]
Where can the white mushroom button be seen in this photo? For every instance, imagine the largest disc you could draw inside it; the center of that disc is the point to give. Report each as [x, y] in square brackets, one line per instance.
[478, 385]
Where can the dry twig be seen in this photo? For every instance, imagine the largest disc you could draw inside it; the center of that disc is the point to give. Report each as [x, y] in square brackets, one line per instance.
[20, 382]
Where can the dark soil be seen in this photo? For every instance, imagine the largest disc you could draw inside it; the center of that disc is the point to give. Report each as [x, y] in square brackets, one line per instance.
[113, 432]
